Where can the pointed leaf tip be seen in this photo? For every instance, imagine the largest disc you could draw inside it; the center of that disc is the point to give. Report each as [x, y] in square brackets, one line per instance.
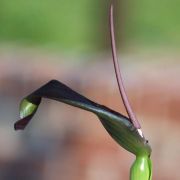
[22, 123]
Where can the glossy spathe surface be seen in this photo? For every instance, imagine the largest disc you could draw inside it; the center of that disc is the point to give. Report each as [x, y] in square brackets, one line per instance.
[118, 126]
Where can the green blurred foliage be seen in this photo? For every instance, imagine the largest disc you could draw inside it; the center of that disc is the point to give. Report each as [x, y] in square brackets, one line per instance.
[82, 25]
[66, 24]
[154, 22]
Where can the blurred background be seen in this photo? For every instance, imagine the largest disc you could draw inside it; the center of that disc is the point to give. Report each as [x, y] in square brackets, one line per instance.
[69, 41]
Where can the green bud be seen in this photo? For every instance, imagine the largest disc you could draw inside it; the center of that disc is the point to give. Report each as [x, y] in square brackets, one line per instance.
[141, 168]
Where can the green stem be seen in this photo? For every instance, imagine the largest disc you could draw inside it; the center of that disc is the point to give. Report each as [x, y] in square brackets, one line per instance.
[141, 168]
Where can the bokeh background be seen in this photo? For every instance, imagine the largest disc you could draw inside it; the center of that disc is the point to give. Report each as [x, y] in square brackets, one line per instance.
[69, 41]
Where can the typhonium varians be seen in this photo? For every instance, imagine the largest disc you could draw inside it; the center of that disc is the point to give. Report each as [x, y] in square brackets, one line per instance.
[126, 131]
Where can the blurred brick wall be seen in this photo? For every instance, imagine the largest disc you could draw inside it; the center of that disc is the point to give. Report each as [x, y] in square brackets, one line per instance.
[67, 143]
